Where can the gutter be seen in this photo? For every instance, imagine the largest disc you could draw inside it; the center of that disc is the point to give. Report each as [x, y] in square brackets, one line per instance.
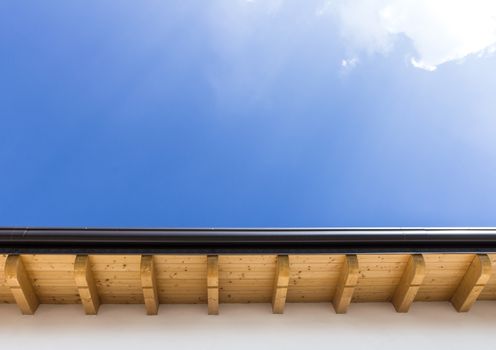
[32, 240]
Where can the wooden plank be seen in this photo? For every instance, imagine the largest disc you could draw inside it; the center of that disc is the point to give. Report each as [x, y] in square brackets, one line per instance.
[86, 284]
[20, 285]
[180, 259]
[44, 258]
[247, 278]
[213, 284]
[314, 259]
[448, 258]
[380, 258]
[228, 260]
[472, 283]
[410, 282]
[149, 284]
[346, 284]
[281, 282]
[121, 299]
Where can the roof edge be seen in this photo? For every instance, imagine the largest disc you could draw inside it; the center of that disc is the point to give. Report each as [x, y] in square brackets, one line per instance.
[40, 240]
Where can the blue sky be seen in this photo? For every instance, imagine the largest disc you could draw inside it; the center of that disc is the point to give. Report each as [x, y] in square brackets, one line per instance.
[240, 113]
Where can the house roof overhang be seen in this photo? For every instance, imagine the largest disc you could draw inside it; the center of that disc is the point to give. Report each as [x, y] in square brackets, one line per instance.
[92, 266]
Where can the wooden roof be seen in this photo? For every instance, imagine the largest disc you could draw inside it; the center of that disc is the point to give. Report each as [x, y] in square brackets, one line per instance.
[58, 277]
[29, 279]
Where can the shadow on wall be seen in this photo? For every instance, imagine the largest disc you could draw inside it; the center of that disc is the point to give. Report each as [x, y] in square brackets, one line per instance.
[250, 326]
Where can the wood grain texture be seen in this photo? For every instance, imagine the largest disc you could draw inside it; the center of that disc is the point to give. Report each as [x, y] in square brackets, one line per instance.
[473, 283]
[281, 282]
[244, 278]
[52, 277]
[346, 284]
[444, 273]
[20, 285]
[181, 279]
[489, 291]
[118, 278]
[85, 283]
[313, 278]
[213, 284]
[379, 274]
[410, 282]
[149, 284]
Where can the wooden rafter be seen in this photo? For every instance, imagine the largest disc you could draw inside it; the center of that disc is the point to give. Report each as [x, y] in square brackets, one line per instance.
[86, 284]
[281, 282]
[410, 282]
[473, 283]
[346, 284]
[149, 284]
[20, 285]
[213, 284]
[30, 279]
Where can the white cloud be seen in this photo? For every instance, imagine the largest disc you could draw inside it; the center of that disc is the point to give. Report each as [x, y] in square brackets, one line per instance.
[422, 65]
[349, 63]
[440, 30]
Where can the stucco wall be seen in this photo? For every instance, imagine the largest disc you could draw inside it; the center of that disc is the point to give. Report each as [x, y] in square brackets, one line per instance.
[303, 326]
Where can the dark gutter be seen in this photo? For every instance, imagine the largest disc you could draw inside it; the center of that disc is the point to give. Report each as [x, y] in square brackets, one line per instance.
[246, 241]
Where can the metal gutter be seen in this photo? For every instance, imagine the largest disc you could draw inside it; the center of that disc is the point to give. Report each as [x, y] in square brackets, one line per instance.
[31, 240]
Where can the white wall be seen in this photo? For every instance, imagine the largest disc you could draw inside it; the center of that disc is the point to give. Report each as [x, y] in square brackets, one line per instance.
[303, 326]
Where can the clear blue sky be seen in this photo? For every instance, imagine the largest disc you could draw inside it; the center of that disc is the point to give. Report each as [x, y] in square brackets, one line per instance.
[233, 113]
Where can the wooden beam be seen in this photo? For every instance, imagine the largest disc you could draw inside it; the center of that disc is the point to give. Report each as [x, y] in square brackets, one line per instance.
[281, 282]
[472, 283]
[411, 280]
[213, 284]
[149, 284]
[346, 284]
[86, 284]
[20, 285]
